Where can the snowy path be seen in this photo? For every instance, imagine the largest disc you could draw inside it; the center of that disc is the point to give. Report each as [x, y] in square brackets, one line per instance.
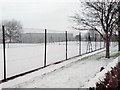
[72, 75]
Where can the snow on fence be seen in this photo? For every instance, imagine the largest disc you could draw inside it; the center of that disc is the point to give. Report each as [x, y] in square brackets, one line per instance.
[43, 47]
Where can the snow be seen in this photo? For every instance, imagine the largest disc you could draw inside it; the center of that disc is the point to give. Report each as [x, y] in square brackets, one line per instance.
[101, 75]
[24, 57]
[75, 73]
[42, 71]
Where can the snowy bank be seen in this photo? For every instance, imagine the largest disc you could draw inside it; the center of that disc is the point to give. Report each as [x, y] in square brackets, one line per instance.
[101, 75]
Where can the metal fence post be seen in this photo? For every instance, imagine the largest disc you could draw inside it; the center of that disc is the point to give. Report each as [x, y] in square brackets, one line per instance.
[100, 42]
[45, 54]
[4, 53]
[79, 43]
[66, 44]
[95, 41]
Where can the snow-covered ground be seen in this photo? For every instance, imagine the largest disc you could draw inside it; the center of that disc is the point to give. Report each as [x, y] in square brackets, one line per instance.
[75, 73]
[101, 75]
[24, 57]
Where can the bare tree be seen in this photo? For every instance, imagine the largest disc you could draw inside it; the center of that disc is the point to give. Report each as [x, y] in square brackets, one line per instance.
[101, 17]
[13, 30]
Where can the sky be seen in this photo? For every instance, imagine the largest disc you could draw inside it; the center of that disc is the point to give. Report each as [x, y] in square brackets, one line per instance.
[49, 14]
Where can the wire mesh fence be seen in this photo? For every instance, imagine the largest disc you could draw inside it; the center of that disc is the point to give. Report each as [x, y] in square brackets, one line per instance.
[43, 47]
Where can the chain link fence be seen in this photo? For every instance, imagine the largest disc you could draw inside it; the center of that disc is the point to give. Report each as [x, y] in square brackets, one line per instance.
[43, 47]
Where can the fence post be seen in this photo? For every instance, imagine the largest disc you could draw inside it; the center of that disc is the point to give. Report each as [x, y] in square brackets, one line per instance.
[45, 54]
[4, 53]
[66, 44]
[79, 43]
[100, 42]
[95, 41]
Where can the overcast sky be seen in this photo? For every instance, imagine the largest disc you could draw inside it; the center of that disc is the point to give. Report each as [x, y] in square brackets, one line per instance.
[50, 14]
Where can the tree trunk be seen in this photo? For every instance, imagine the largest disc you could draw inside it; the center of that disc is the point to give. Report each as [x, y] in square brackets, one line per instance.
[119, 40]
[107, 47]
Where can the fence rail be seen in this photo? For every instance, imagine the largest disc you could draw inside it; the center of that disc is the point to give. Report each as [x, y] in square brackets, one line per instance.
[55, 47]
